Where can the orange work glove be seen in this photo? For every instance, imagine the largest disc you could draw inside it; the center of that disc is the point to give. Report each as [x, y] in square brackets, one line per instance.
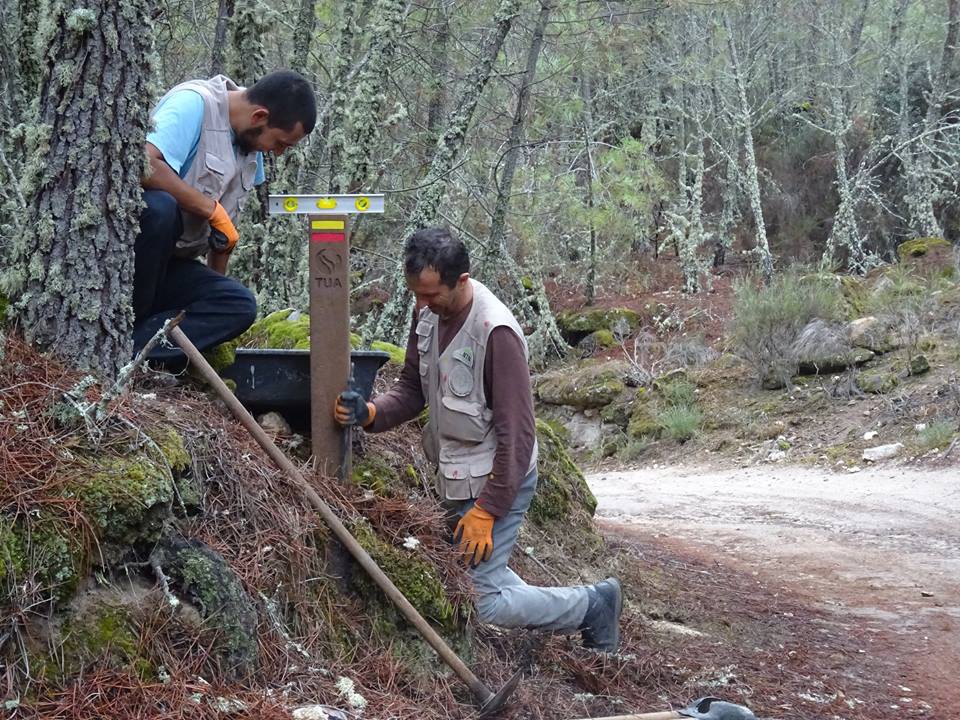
[474, 533]
[221, 222]
[351, 409]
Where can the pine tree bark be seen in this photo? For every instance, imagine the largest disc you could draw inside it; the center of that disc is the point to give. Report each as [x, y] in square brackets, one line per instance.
[72, 273]
[393, 321]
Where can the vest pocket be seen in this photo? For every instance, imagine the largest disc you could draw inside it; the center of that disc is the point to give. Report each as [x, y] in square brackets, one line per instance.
[463, 420]
[464, 480]
[211, 176]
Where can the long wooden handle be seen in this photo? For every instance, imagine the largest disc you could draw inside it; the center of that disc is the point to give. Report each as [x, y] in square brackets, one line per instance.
[482, 692]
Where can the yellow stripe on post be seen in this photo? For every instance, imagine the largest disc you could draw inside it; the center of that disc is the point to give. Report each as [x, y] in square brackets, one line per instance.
[326, 224]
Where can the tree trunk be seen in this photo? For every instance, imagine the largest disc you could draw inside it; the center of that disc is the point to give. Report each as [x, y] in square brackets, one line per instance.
[369, 94]
[393, 321]
[218, 53]
[545, 340]
[762, 249]
[72, 274]
[439, 61]
[922, 212]
[729, 213]
[249, 24]
[303, 34]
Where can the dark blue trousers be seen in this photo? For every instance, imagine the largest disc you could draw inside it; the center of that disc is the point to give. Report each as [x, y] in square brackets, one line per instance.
[218, 308]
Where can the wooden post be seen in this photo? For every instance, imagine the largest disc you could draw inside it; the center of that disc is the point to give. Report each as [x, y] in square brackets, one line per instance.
[328, 239]
[329, 243]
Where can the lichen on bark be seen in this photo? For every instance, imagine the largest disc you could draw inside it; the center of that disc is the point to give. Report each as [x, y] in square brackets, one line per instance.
[71, 270]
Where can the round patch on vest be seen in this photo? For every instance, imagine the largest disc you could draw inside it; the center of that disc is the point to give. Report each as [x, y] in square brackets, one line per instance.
[461, 380]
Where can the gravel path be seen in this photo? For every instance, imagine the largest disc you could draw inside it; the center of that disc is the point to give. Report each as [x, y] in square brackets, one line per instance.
[879, 548]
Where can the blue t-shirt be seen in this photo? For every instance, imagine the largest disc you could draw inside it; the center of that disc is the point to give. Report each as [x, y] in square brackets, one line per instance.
[176, 132]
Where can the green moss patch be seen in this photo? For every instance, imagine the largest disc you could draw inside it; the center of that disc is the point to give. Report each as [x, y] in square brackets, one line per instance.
[562, 497]
[414, 577]
[286, 329]
[920, 247]
[127, 499]
[397, 353]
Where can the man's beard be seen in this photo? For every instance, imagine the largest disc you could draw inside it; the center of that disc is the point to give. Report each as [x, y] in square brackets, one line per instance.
[246, 141]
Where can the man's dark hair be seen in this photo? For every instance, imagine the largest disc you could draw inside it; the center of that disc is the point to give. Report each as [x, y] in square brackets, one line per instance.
[436, 248]
[288, 97]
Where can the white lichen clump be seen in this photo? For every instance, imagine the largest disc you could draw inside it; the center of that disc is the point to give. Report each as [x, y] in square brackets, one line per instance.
[349, 693]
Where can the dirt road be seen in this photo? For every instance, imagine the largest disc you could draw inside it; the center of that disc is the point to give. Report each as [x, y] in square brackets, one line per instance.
[879, 549]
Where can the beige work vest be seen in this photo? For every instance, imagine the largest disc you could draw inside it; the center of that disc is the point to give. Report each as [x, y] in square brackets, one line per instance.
[218, 170]
[459, 437]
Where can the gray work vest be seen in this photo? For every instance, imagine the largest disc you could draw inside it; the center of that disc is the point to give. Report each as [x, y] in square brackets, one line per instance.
[459, 439]
[218, 170]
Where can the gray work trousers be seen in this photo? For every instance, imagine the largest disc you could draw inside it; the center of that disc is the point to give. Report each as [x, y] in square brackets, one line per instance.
[503, 599]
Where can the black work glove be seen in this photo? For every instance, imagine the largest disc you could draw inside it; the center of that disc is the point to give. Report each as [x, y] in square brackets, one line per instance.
[352, 409]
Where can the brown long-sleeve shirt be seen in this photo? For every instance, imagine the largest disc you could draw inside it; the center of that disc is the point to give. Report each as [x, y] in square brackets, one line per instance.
[506, 385]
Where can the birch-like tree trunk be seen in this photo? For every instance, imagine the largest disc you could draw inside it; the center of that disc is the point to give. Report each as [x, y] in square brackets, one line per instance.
[250, 23]
[729, 213]
[364, 111]
[922, 182]
[393, 321]
[529, 303]
[72, 272]
[762, 248]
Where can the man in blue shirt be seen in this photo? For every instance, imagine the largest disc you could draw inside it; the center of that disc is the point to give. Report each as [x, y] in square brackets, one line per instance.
[206, 155]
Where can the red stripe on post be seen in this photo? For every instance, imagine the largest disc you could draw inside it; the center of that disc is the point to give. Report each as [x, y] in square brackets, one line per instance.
[319, 237]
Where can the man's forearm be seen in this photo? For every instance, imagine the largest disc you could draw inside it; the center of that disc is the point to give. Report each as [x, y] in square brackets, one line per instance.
[218, 261]
[162, 177]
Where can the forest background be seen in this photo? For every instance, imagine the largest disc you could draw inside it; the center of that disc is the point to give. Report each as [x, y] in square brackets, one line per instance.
[571, 144]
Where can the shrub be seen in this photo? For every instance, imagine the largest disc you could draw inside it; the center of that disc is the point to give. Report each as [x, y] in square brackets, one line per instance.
[633, 448]
[679, 392]
[680, 422]
[767, 321]
[938, 434]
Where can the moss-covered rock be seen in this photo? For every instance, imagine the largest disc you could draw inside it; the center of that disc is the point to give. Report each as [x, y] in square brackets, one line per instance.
[918, 365]
[644, 422]
[126, 497]
[596, 341]
[102, 632]
[562, 497]
[413, 576]
[591, 385]
[856, 295]
[920, 247]
[203, 576]
[620, 410]
[579, 323]
[877, 381]
[827, 364]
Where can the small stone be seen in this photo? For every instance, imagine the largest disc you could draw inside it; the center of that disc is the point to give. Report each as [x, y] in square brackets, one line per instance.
[882, 452]
[920, 427]
[853, 469]
[274, 423]
[919, 365]
[870, 435]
